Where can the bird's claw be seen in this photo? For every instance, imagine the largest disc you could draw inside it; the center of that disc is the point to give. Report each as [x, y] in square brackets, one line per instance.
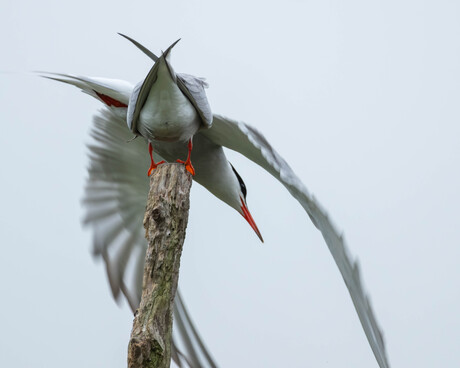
[153, 166]
[188, 166]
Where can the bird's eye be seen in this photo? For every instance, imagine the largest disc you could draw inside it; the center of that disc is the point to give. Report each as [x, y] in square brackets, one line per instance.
[242, 185]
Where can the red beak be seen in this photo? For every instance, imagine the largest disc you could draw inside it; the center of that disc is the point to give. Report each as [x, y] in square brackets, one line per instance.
[248, 217]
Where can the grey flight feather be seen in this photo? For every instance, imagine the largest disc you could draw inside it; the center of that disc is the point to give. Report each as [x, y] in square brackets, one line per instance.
[248, 141]
[118, 89]
[115, 198]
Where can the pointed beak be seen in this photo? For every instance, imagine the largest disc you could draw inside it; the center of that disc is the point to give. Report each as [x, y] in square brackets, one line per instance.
[247, 215]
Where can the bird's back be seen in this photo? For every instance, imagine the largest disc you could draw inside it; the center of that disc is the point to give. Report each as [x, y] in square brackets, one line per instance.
[167, 114]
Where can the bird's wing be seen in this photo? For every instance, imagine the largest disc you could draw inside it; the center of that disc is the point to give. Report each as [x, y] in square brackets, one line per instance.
[117, 186]
[193, 87]
[113, 92]
[115, 198]
[248, 141]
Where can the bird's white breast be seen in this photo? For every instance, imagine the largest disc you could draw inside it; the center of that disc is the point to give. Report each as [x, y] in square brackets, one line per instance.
[167, 114]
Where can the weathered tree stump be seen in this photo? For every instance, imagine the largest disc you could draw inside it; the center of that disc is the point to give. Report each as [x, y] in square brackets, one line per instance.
[165, 222]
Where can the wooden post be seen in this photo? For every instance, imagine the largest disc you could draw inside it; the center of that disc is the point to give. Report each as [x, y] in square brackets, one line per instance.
[165, 222]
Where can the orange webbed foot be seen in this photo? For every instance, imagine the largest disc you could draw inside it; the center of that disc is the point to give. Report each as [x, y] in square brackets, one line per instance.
[188, 166]
[153, 165]
[187, 162]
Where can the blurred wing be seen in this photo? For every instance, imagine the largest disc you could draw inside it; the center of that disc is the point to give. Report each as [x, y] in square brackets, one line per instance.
[248, 141]
[188, 339]
[193, 88]
[115, 198]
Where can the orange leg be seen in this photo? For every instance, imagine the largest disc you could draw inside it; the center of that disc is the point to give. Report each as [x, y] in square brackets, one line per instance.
[153, 165]
[188, 163]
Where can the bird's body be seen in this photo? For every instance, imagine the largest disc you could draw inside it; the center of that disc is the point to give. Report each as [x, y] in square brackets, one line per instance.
[212, 168]
[167, 114]
[167, 106]
[117, 186]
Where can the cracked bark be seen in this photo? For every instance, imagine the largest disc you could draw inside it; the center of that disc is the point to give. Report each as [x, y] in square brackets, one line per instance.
[165, 222]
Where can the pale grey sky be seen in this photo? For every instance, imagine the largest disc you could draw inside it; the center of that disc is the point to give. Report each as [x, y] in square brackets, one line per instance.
[361, 98]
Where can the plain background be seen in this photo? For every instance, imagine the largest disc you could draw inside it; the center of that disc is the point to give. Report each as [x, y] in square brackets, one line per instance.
[360, 97]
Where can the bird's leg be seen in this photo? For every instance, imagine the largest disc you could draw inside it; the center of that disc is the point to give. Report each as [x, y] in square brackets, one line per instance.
[153, 165]
[187, 162]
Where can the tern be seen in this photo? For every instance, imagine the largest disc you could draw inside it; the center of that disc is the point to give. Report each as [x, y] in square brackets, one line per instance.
[168, 106]
[168, 109]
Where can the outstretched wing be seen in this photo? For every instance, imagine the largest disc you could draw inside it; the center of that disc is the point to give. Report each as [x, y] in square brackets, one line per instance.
[248, 141]
[113, 92]
[115, 197]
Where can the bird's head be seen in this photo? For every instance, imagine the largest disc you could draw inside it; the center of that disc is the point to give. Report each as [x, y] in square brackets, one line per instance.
[239, 202]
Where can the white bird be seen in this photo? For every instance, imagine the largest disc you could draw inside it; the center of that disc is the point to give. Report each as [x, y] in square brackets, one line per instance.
[117, 186]
[168, 107]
